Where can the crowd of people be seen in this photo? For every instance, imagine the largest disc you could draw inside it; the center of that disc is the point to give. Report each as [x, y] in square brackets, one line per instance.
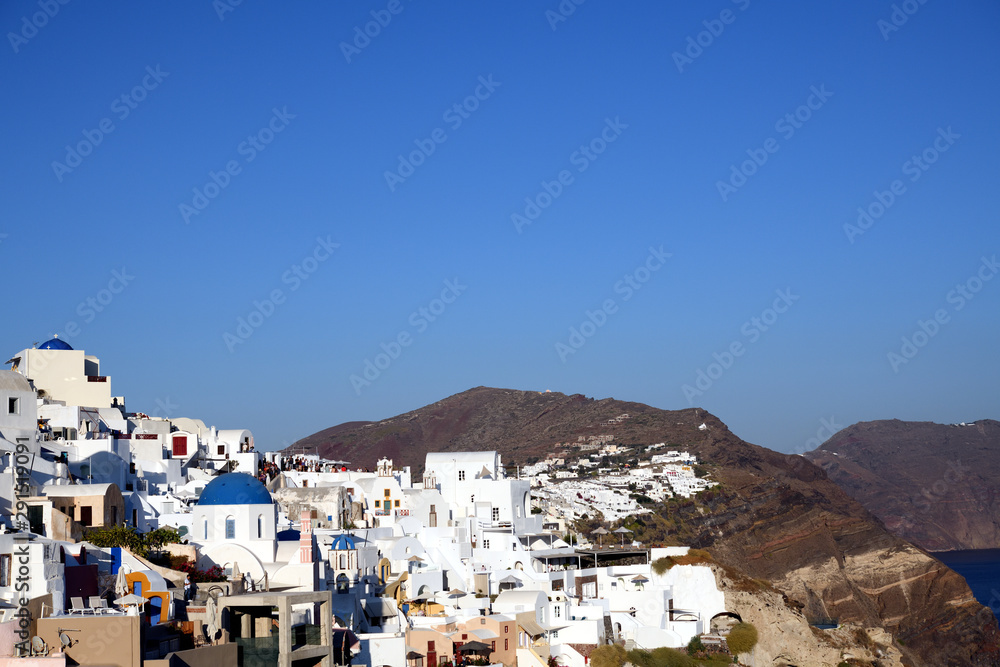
[267, 471]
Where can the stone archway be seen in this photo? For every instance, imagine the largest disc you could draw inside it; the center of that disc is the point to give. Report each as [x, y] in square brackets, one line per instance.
[724, 621]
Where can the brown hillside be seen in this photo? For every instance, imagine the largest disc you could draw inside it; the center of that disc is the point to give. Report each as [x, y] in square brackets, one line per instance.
[932, 484]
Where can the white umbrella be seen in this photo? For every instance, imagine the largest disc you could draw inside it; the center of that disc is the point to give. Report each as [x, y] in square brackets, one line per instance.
[131, 598]
[121, 584]
[133, 602]
[211, 612]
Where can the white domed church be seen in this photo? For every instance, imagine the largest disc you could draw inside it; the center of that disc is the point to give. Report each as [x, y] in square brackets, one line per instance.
[235, 520]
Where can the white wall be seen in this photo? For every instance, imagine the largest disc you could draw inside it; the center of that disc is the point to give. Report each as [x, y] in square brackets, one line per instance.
[245, 517]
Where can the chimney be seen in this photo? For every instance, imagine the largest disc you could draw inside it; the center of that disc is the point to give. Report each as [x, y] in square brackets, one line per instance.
[305, 536]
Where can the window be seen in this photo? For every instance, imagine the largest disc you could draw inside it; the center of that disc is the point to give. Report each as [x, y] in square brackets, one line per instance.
[230, 528]
[387, 493]
[378, 503]
[5, 560]
[204, 527]
[430, 646]
[221, 450]
[493, 645]
[464, 637]
[86, 516]
[168, 508]
[260, 526]
[395, 503]
[461, 475]
[13, 406]
[486, 544]
[506, 644]
[557, 611]
[506, 629]
[496, 513]
[180, 445]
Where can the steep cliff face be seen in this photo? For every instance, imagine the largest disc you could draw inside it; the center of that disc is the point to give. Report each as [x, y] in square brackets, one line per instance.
[779, 517]
[785, 636]
[932, 484]
[785, 522]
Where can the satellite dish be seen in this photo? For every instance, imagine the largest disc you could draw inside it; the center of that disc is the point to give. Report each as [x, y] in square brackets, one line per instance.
[65, 640]
[38, 645]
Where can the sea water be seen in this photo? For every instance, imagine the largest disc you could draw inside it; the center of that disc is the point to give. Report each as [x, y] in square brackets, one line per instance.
[981, 569]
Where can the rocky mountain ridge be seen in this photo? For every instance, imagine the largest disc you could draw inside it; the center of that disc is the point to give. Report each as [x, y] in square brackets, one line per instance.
[934, 485]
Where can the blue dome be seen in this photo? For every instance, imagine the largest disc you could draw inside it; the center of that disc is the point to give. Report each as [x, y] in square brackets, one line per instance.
[235, 488]
[343, 542]
[55, 344]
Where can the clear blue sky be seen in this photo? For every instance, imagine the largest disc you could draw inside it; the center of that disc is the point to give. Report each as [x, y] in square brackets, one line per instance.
[669, 137]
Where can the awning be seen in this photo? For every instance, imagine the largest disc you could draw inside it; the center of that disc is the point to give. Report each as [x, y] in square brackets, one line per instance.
[526, 620]
[379, 607]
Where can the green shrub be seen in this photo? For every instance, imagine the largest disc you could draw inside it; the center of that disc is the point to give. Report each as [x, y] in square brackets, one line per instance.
[661, 565]
[742, 638]
[660, 657]
[128, 538]
[611, 655]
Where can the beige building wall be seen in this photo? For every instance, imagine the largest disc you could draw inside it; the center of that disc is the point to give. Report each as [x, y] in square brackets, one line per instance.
[107, 509]
[63, 375]
[113, 641]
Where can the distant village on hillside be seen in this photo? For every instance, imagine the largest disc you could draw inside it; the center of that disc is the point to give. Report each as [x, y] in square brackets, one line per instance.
[131, 539]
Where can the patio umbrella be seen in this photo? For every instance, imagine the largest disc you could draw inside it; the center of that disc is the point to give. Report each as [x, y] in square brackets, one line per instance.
[130, 599]
[121, 584]
[133, 602]
[211, 613]
[601, 532]
[473, 647]
[621, 531]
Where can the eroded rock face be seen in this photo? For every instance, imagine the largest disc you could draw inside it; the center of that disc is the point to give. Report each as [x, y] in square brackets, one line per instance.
[786, 638]
[821, 548]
